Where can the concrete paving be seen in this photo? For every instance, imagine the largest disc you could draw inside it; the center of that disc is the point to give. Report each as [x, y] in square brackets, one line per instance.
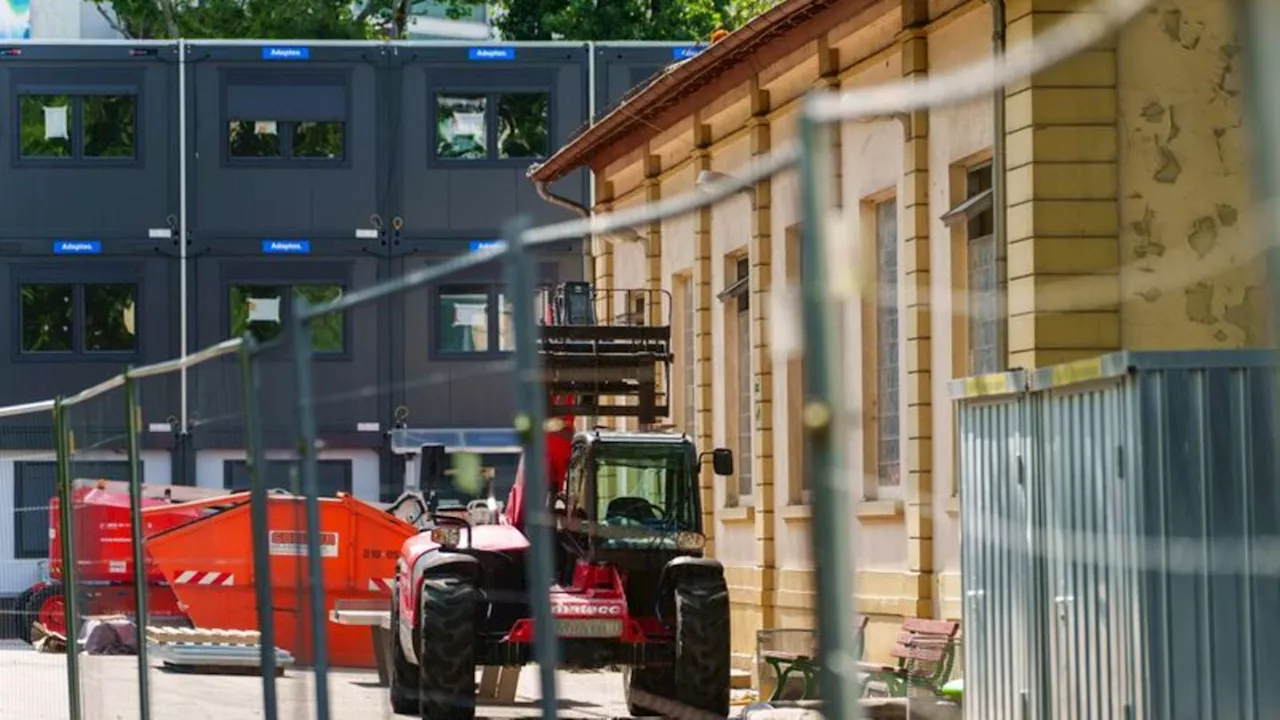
[33, 687]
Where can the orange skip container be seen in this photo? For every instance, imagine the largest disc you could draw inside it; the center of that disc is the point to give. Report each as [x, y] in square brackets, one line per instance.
[209, 564]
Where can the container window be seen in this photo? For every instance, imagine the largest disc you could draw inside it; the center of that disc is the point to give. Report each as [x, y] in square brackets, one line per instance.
[264, 309]
[254, 139]
[463, 318]
[48, 318]
[523, 125]
[109, 321]
[492, 125]
[461, 126]
[78, 318]
[109, 122]
[78, 126]
[46, 126]
[319, 139]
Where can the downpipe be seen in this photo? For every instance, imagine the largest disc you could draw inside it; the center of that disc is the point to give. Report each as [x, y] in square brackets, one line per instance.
[999, 209]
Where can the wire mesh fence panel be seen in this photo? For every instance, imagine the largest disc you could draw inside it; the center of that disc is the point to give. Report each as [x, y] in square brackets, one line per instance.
[98, 470]
[34, 682]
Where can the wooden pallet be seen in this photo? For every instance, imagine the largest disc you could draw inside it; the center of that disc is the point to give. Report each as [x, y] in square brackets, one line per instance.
[201, 636]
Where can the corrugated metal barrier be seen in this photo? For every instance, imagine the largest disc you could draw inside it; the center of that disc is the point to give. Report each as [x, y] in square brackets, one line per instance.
[1120, 538]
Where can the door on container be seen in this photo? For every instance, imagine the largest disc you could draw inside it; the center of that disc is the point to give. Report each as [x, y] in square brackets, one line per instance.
[251, 286]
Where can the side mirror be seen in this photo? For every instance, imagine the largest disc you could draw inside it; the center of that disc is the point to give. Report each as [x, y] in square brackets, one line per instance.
[431, 466]
[722, 461]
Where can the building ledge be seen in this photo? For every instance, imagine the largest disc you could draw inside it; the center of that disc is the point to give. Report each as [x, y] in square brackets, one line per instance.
[796, 513]
[737, 515]
[880, 510]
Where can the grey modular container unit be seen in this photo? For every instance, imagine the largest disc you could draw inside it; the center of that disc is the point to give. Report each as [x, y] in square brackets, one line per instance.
[621, 69]
[221, 139]
[1151, 486]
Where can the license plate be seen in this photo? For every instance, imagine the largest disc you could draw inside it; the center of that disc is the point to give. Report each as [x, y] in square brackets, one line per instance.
[588, 627]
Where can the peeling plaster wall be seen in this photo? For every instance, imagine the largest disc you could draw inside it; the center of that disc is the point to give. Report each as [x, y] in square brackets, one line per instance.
[1191, 271]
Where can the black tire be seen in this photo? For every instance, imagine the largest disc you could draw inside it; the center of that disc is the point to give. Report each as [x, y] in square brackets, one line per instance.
[446, 649]
[19, 624]
[401, 686]
[702, 645]
[37, 600]
[649, 691]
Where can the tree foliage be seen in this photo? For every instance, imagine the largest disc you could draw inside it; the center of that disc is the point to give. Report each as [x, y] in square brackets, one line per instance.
[266, 19]
[677, 20]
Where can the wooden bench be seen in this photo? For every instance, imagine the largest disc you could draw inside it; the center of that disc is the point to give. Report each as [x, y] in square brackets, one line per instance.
[925, 652]
[784, 664]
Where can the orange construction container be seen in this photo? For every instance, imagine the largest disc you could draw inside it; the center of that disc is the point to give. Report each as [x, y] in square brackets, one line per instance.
[209, 563]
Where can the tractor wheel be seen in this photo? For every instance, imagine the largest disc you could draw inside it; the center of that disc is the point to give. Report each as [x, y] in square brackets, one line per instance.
[649, 691]
[47, 608]
[19, 624]
[404, 699]
[702, 645]
[446, 649]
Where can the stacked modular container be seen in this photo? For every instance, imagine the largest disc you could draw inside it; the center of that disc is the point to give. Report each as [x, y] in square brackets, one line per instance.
[292, 168]
[1120, 518]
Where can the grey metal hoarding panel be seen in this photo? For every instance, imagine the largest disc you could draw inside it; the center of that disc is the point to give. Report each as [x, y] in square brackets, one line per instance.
[106, 166]
[284, 139]
[437, 195]
[1088, 485]
[998, 565]
[1162, 474]
[1207, 523]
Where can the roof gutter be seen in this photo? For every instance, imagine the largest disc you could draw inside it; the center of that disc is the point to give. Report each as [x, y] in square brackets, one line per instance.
[588, 260]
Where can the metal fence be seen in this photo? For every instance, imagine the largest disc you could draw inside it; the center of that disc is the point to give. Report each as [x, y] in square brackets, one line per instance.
[286, 532]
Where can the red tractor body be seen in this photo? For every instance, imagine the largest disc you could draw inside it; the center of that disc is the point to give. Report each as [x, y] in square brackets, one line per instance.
[632, 587]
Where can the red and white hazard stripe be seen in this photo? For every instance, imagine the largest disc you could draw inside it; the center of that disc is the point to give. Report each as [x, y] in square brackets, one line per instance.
[381, 584]
[199, 577]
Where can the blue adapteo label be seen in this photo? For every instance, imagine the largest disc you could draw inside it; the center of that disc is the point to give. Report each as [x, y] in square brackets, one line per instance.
[491, 53]
[286, 247]
[286, 52]
[77, 247]
[684, 53]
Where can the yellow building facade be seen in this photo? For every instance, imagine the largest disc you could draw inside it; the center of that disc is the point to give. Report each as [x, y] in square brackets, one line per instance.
[1118, 221]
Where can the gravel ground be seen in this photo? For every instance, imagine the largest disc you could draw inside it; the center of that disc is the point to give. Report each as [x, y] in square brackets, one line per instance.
[33, 687]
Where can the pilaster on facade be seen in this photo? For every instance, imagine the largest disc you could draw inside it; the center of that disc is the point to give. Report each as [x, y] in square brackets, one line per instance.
[1063, 213]
[760, 258]
[703, 371]
[657, 307]
[916, 328]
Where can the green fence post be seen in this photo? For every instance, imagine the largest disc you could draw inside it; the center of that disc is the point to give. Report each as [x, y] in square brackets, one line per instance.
[70, 593]
[311, 493]
[838, 681]
[258, 520]
[529, 421]
[133, 416]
